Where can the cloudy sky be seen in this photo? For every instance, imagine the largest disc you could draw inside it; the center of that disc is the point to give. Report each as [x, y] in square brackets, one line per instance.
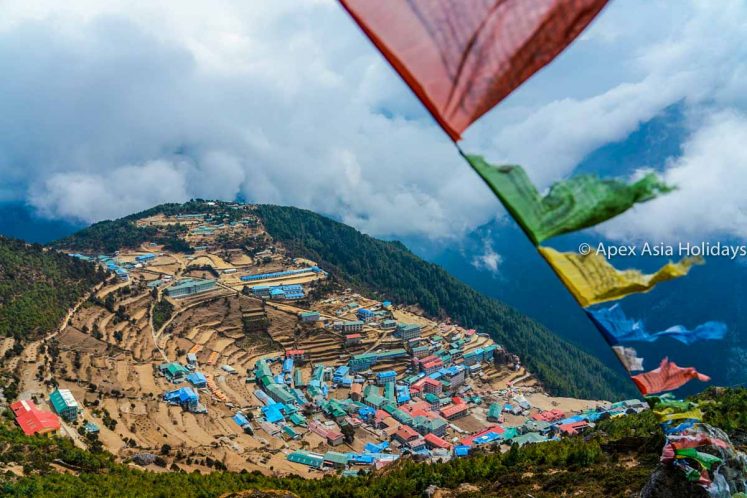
[111, 107]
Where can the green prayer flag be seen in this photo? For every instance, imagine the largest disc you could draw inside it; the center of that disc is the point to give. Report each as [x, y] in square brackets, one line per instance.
[579, 202]
[705, 459]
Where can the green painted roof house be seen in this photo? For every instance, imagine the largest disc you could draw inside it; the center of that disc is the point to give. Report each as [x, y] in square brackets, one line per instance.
[64, 404]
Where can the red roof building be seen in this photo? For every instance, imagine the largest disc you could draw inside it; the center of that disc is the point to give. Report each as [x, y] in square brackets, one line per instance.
[333, 436]
[426, 359]
[406, 434]
[573, 427]
[379, 417]
[426, 384]
[418, 409]
[356, 392]
[391, 426]
[549, 415]
[434, 441]
[451, 412]
[431, 366]
[33, 420]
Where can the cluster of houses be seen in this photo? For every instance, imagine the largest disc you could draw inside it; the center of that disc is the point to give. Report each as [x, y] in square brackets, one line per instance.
[113, 264]
[186, 396]
[35, 420]
[289, 292]
[207, 225]
[413, 414]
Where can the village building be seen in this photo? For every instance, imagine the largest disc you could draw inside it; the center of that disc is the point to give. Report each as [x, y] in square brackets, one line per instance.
[454, 411]
[33, 420]
[407, 331]
[406, 434]
[64, 404]
[254, 319]
[331, 434]
[435, 442]
[365, 315]
[309, 316]
[297, 355]
[173, 371]
[495, 412]
[190, 286]
[307, 458]
[335, 459]
[184, 397]
[386, 377]
[348, 326]
[197, 379]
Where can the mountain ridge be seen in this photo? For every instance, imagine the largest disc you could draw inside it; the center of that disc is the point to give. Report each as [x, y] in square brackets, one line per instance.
[389, 268]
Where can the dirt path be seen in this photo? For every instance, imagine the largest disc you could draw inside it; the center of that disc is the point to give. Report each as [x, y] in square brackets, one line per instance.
[153, 328]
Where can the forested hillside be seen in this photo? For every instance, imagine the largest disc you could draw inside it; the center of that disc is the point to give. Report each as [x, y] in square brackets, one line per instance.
[615, 459]
[37, 287]
[389, 269]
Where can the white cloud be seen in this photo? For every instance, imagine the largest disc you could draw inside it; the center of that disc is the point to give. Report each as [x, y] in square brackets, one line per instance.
[711, 179]
[93, 196]
[659, 56]
[286, 102]
[488, 259]
[258, 101]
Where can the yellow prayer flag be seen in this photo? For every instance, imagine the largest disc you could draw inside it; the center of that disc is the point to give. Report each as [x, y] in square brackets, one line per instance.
[694, 414]
[591, 279]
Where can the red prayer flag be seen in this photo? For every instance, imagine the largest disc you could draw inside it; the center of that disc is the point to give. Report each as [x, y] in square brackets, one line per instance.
[667, 377]
[696, 441]
[462, 57]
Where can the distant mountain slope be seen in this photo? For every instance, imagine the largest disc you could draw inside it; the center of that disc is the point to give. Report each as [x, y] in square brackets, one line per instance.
[37, 287]
[390, 270]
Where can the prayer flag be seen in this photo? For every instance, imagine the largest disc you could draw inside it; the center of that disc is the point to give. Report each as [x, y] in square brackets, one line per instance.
[591, 279]
[667, 377]
[617, 328]
[462, 57]
[570, 205]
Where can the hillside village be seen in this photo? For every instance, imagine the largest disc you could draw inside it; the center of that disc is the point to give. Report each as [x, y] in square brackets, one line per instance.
[236, 355]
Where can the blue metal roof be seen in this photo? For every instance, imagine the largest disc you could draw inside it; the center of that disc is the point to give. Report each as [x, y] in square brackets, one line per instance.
[240, 419]
[182, 395]
[461, 450]
[272, 413]
[196, 378]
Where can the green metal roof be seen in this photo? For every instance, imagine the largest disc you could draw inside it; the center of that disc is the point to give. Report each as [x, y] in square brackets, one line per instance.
[173, 369]
[375, 399]
[190, 282]
[306, 458]
[530, 437]
[495, 410]
[389, 391]
[335, 457]
[431, 398]
[297, 419]
[62, 399]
